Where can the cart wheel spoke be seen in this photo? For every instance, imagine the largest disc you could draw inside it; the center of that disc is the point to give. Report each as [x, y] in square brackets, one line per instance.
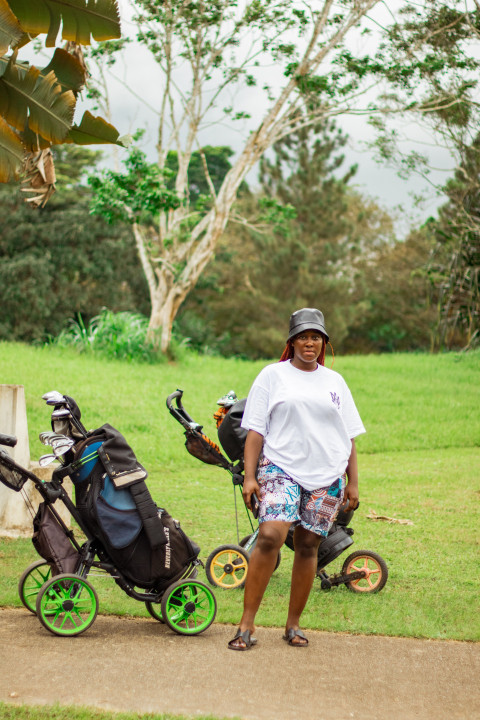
[227, 566]
[372, 565]
[188, 607]
[67, 604]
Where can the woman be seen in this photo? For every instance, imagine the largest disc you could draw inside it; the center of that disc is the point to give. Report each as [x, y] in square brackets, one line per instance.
[301, 422]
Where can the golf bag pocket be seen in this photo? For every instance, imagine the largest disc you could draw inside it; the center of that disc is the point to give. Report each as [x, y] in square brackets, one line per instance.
[120, 527]
[87, 458]
[51, 542]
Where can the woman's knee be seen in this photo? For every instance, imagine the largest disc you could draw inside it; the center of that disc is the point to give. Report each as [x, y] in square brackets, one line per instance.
[306, 543]
[271, 536]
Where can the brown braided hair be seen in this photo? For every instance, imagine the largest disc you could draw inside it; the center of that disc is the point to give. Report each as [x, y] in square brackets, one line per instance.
[289, 352]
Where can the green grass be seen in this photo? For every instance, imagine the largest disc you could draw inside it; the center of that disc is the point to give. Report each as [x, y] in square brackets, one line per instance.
[418, 461]
[56, 712]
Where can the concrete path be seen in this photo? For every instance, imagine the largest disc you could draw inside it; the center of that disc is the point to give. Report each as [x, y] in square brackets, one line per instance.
[140, 665]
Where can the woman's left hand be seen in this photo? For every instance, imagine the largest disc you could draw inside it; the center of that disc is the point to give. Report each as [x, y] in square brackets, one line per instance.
[351, 498]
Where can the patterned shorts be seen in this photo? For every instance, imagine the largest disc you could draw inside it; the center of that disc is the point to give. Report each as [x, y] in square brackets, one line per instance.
[281, 498]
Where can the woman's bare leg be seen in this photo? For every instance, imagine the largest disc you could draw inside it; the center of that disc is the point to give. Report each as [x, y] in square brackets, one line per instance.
[263, 559]
[303, 573]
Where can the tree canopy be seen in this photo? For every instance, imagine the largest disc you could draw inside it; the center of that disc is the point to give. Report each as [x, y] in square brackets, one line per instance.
[62, 261]
[303, 62]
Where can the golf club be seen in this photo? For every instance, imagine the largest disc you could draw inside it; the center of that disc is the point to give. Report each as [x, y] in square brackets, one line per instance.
[53, 398]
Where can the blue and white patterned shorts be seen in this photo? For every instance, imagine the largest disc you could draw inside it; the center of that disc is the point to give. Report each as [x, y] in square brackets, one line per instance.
[281, 498]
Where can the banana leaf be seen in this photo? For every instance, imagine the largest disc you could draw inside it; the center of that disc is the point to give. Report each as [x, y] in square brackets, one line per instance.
[96, 131]
[80, 19]
[29, 98]
[11, 152]
[68, 70]
[10, 30]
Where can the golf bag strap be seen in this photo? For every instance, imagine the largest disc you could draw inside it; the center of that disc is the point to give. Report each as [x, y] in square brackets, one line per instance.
[148, 511]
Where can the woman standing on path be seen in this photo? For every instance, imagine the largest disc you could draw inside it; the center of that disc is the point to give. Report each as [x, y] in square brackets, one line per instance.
[300, 448]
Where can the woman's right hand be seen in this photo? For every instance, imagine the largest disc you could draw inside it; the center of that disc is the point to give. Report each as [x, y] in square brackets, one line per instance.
[250, 486]
[253, 448]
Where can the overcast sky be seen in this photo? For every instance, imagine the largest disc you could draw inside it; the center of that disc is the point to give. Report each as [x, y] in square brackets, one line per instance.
[376, 180]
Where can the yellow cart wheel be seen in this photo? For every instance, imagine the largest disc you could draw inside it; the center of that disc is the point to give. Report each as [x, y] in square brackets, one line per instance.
[227, 567]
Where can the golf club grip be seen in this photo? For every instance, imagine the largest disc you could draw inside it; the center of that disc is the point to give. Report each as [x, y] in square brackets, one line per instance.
[175, 395]
[9, 440]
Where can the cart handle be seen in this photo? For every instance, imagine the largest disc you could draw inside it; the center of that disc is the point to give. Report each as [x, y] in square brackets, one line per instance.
[9, 440]
[177, 395]
[179, 413]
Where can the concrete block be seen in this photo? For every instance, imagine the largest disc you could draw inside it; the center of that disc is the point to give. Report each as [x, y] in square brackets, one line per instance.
[17, 509]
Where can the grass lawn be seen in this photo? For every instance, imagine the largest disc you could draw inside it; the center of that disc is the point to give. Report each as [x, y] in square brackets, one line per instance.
[418, 461]
[56, 712]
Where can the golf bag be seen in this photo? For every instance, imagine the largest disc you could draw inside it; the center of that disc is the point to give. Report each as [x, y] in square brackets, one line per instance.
[142, 540]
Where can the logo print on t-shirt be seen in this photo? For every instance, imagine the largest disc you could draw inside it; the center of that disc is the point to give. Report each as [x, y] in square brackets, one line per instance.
[335, 399]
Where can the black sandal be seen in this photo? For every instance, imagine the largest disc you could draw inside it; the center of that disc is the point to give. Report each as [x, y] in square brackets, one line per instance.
[246, 638]
[292, 634]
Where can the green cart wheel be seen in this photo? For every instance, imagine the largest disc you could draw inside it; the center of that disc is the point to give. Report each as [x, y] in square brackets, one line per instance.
[31, 581]
[155, 610]
[67, 604]
[189, 607]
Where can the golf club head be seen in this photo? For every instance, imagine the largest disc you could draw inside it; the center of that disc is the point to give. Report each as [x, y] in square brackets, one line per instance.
[53, 398]
[54, 438]
[46, 460]
[60, 413]
[60, 447]
[46, 436]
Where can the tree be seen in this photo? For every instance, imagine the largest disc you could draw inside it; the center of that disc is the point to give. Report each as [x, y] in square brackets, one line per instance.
[439, 82]
[37, 105]
[62, 261]
[297, 59]
[455, 262]
[394, 308]
[309, 258]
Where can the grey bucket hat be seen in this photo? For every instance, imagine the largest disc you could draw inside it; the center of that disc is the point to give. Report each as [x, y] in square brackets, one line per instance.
[306, 319]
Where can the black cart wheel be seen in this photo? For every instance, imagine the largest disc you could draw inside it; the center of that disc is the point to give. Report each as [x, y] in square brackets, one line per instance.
[67, 604]
[374, 567]
[155, 610]
[245, 540]
[227, 567]
[31, 580]
[189, 607]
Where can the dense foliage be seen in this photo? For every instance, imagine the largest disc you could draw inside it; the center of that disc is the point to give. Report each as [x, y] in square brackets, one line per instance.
[455, 265]
[60, 261]
[337, 251]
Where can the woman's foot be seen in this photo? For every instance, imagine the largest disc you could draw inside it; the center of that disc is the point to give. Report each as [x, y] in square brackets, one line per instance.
[243, 640]
[295, 637]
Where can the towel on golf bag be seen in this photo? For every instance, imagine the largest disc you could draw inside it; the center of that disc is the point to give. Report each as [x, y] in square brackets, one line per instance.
[51, 543]
[143, 541]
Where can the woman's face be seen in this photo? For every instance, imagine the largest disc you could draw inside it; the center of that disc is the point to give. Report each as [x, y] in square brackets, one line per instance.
[307, 347]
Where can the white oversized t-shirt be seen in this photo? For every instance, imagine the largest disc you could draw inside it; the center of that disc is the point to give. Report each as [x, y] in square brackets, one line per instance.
[308, 420]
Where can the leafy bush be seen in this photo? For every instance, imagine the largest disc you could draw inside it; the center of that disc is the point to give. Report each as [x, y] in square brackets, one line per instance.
[121, 336]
